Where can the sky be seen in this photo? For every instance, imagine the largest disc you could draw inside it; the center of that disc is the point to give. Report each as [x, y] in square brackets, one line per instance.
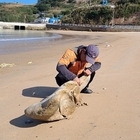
[26, 2]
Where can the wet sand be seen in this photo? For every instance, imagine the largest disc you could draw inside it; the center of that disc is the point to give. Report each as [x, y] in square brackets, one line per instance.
[113, 109]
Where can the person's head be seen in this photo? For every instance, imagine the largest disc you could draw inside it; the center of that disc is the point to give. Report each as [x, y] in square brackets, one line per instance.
[89, 54]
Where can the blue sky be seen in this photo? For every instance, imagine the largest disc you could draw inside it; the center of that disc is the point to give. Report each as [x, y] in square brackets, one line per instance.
[20, 1]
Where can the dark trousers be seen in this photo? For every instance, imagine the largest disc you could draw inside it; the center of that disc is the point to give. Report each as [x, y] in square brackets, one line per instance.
[60, 79]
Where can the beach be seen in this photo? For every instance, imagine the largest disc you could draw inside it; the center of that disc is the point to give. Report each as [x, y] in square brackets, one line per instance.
[113, 109]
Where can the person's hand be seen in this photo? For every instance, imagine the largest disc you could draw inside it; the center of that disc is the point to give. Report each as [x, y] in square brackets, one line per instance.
[87, 72]
[77, 80]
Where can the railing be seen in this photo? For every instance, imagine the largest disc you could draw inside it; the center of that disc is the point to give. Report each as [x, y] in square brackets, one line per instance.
[135, 28]
[78, 27]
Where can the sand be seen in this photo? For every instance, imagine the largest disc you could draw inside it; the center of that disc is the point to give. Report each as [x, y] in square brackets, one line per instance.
[112, 111]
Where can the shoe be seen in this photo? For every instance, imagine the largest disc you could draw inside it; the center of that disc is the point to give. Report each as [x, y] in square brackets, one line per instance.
[86, 90]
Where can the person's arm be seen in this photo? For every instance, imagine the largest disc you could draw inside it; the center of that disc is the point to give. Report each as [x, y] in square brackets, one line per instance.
[62, 66]
[95, 66]
[65, 72]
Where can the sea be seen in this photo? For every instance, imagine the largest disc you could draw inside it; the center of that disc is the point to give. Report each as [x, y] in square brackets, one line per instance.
[13, 41]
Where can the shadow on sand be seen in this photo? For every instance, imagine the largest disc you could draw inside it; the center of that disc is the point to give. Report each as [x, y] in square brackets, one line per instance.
[39, 92]
[25, 122]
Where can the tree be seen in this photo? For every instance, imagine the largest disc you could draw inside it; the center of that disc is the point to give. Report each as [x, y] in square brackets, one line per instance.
[42, 7]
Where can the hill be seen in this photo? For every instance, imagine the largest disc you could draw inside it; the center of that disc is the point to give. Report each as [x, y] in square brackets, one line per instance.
[74, 11]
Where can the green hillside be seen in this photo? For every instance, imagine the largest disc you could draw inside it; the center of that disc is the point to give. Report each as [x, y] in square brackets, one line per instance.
[74, 11]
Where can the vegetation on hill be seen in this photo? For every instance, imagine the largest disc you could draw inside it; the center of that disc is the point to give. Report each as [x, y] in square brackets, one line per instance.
[96, 14]
[17, 13]
[74, 11]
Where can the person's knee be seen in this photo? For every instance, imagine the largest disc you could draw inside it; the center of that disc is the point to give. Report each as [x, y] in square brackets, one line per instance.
[60, 80]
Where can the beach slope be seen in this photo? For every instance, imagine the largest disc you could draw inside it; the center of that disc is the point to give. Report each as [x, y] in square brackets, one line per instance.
[112, 112]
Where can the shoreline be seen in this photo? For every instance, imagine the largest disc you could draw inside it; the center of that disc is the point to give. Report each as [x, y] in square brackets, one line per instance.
[17, 51]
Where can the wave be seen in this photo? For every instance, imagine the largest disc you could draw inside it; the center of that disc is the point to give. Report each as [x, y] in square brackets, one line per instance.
[31, 38]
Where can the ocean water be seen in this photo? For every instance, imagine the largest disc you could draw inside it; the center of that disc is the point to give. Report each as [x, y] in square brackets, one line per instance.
[17, 35]
[12, 41]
